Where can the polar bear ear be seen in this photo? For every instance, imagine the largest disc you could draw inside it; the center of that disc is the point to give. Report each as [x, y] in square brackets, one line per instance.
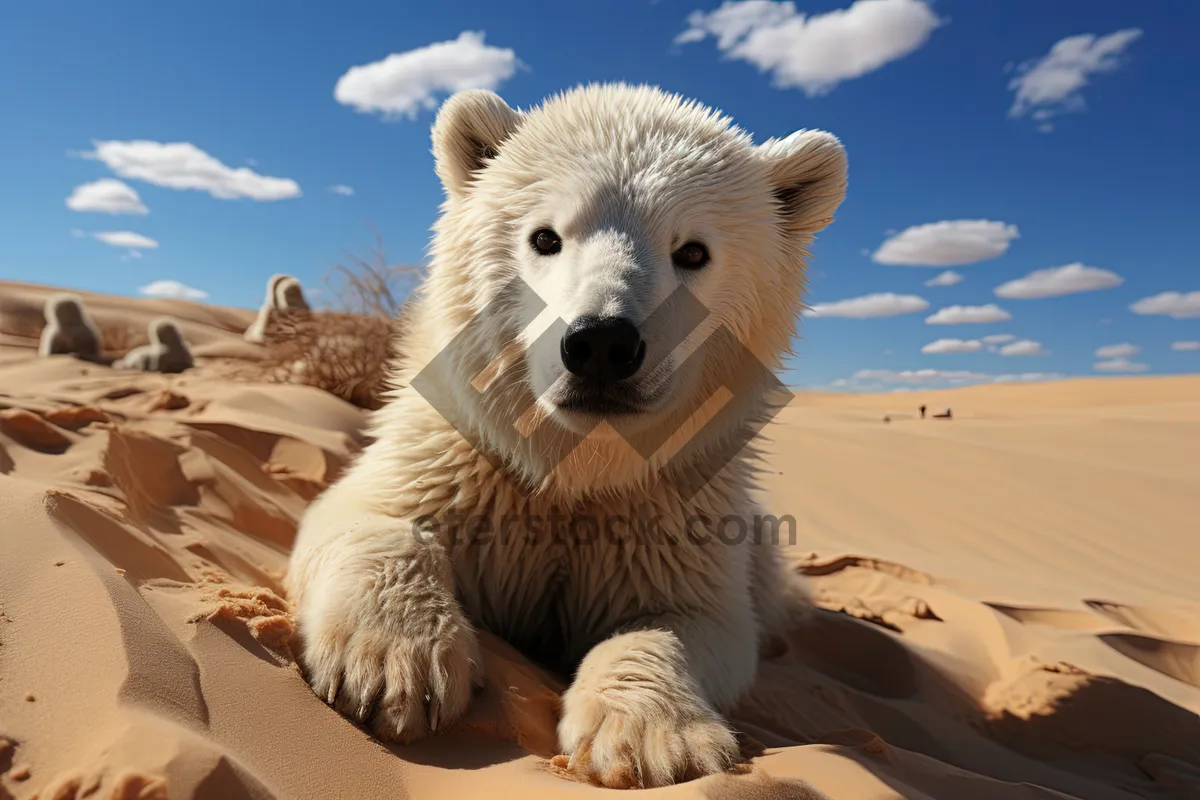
[808, 170]
[467, 134]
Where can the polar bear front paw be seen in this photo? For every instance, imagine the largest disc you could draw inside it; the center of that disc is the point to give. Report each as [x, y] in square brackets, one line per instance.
[633, 718]
[403, 666]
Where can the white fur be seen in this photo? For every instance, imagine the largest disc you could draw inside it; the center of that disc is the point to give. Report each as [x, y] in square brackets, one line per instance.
[662, 632]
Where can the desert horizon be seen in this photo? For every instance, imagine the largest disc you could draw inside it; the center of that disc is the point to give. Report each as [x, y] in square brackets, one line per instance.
[1005, 600]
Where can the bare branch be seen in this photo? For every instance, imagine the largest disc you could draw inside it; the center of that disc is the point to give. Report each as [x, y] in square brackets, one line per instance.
[370, 286]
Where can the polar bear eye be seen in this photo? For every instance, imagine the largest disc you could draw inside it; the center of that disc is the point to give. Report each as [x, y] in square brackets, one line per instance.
[692, 255]
[546, 242]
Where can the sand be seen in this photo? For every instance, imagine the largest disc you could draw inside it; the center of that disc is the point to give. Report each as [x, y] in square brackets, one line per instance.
[1009, 602]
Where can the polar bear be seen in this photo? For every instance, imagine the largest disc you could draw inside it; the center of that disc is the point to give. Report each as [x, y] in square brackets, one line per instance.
[568, 233]
[166, 352]
[284, 293]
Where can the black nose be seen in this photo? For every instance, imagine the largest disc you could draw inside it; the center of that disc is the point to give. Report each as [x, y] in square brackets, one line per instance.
[603, 349]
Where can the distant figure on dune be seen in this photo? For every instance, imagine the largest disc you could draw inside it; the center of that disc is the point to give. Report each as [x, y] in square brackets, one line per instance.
[944, 415]
[922, 412]
[284, 293]
[291, 295]
[167, 351]
[69, 329]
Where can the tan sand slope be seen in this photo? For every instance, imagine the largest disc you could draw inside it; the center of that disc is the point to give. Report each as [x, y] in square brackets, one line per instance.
[1009, 600]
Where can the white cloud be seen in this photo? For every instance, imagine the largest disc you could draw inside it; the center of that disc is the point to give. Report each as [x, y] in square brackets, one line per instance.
[886, 379]
[814, 52]
[994, 341]
[1051, 85]
[342, 189]
[920, 376]
[963, 315]
[1119, 365]
[947, 243]
[884, 304]
[182, 165]
[126, 239]
[1024, 347]
[1025, 377]
[1177, 305]
[173, 290]
[953, 346]
[947, 278]
[404, 83]
[1185, 346]
[1058, 281]
[77, 233]
[1117, 351]
[108, 196]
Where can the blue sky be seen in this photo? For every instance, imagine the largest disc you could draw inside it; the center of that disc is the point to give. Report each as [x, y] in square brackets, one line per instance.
[1073, 155]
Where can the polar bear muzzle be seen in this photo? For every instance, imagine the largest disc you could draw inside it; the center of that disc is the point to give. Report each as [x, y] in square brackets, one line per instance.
[602, 350]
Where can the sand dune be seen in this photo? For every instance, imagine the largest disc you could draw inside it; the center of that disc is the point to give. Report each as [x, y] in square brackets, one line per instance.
[1009, 600]
[211, 330]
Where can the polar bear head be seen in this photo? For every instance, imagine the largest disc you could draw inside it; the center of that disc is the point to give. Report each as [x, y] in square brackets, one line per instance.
[618, 256]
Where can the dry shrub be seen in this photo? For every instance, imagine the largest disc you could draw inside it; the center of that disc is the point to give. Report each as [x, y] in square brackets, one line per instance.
[345, 354]
[345, 350]
[370, 286]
